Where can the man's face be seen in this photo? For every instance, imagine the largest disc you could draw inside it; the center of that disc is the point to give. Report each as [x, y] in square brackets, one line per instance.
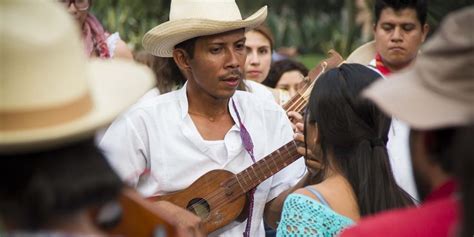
[398, 37]
[218, 62]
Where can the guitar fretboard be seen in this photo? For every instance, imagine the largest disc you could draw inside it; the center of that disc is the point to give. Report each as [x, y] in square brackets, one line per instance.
[296, 103]
[268, 166]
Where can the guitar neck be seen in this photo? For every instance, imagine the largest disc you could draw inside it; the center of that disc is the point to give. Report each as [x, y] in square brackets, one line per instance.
[268, 166]
[296, 103]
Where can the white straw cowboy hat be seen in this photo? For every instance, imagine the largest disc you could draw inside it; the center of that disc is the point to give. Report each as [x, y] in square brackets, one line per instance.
[363, 55]
[50, 93]
[193, 18]
[438, 91]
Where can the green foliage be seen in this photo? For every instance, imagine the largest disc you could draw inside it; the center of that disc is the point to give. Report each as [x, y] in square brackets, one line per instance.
[311, 60]
[132, 19]
[312, 26]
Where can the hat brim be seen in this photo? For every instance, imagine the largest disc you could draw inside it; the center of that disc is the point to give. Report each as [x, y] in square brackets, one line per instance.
[114, 86]
[404, 96]
[160, 40]
[363, 55]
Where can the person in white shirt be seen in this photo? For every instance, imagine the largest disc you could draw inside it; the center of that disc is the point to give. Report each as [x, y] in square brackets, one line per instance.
[164, 144]
[399, 31]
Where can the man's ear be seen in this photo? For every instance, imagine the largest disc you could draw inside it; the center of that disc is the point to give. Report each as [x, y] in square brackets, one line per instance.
[426, 29]
[181, 58]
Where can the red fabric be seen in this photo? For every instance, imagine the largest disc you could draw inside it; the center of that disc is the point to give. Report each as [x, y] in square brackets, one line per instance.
[437, 216]
[380, 66]
[94, 37]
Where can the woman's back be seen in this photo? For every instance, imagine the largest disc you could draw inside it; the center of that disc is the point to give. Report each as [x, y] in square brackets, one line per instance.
[346, 135]
[323, 209]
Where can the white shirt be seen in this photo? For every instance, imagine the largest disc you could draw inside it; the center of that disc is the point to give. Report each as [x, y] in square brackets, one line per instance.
[398, 148]
[111, 42]
[259, 90]
[158, 139]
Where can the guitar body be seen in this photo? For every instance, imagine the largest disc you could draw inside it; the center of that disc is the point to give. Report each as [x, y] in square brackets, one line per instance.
[138, 218]
[216, 197]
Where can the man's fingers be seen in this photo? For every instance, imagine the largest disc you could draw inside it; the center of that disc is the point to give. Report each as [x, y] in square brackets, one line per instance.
[300, 127]
[298, 137]
[301, 150]
[189, 225]
[295, 116]
[312, 165]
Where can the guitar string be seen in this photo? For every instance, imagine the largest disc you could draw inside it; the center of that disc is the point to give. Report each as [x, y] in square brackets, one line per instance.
[233, 181]
[220, 201]
[299, 104]
[301, 98]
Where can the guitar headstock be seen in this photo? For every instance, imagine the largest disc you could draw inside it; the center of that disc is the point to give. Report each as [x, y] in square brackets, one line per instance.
[299, 101]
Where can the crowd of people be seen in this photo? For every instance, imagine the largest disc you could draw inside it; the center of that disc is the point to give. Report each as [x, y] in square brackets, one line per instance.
[193, 130]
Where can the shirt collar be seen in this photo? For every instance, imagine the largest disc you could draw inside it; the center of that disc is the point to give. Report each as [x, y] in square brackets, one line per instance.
[183, 100]
[381, 66]
[445, 190]
[183, 103]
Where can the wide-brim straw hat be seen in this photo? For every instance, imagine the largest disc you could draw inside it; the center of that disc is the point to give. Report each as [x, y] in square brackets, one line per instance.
[438, 90]
[193, 18]
[363, 54]
[50, 93]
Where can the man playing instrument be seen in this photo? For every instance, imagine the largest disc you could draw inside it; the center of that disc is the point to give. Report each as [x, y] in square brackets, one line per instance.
[164, 144]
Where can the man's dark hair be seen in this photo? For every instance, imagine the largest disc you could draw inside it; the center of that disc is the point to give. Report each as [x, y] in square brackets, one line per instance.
[188, 46]
[420, 6]
[40, 188]
[356, 131]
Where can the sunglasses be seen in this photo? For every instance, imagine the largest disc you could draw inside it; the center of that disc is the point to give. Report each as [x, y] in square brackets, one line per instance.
[80, 5]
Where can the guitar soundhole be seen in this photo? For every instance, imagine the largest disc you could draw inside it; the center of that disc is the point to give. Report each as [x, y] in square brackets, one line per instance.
[199, 207]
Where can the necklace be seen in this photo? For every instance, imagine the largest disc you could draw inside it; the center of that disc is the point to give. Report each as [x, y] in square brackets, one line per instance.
[210, 118]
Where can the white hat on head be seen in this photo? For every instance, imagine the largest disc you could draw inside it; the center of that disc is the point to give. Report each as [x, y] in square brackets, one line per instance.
[50, 93]
[193, 18]
[363, 55]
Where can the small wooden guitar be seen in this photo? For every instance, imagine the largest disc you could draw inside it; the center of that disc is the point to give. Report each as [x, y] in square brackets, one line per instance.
[218, 197]
[135, 216]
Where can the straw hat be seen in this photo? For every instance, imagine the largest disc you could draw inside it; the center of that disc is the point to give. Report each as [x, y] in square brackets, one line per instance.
[193, 18]
[50, 93]
[363, 55]
[438, 91]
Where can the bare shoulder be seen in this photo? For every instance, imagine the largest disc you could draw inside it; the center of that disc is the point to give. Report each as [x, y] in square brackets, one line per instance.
[122, 50]
[305, 191]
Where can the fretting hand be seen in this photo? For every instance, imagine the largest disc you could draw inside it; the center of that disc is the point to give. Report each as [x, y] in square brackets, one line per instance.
[311, 160]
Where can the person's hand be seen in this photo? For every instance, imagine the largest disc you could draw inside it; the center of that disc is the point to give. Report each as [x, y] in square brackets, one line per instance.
[295, 118]
[189, 225]
[311, 159]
